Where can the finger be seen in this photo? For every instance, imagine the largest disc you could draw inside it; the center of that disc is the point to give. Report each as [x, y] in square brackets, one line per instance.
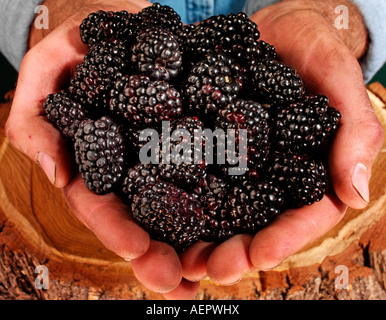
[43, 71]
[186, 290]
[293, 230]
[159, 269]
[230, 260]
[194, 259]
[108, 218]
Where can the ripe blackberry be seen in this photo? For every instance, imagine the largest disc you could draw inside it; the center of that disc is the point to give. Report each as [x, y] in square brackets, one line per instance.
[108, 25]
[304, 126]
[169, 214]
[252, 117]
[274, 82]
[163, 16]
[212, 84]
[266, 51]
[183, 36]
[233, 34]
[145, 103]
[303, 180]
[100, 154]
[64, 113]
[213, 193]
[182, 166]
[157, 54]
[137, 177]
[254, 204]
[133, 141]
[94, 77]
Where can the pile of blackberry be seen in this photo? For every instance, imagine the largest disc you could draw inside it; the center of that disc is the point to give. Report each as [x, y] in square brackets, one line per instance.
[144, 70]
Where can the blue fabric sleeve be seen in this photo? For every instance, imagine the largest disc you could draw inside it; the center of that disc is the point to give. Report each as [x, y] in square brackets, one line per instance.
[192, 11]
[16, 17]
[374, 15]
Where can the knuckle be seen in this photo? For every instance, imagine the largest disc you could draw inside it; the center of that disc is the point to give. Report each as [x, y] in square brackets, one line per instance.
[375, 133]
[10, 131]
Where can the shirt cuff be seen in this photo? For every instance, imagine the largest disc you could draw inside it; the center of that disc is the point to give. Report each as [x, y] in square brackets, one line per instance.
[15, 21]
[374, 15]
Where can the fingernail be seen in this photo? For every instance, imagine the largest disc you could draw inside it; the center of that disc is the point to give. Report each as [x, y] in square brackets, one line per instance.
[48, 165]
[360, 181]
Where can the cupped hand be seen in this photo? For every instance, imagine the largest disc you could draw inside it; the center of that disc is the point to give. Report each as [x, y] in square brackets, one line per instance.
[45, 69]
[305, 38]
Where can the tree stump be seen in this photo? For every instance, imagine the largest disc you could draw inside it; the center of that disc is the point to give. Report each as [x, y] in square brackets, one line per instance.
[37, 229]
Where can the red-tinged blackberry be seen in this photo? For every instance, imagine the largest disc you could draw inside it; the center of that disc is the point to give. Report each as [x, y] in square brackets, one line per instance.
[303, 180]
[304, 126]
[252, 117]
[211, 85]
[64, 113]
[169, 214]
[213, 193]
[137, 177]
[254, 204]
[273, 82]
[180, 163]
[157, 54]
[145, 103]
[100, 154]
[94, 77]
[233, 34]
[162, 16]
[108, 25]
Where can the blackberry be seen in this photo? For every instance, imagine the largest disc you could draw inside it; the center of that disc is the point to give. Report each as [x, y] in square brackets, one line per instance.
[137, 177]
[232, 34]
[182, 166]
[304, 180]
[157, 54]
[266, 51]
[169, 214]
[94, 77]
[274, 82]
[133, 141]
[252, 117]
[304, 126]
[254, 204]
[212, 84]
[183, 35]
[213, 193]
[163, 16]
[145, 103]
[64, 113]
[109, 25]
[100, 154]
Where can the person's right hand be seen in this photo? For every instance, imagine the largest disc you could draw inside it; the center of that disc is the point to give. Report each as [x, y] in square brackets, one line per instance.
[45, 69]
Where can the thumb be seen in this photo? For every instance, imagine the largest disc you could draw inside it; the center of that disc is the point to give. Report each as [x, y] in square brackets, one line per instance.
[27, 127]
[43, 144]
[338, 75]
[355, 148]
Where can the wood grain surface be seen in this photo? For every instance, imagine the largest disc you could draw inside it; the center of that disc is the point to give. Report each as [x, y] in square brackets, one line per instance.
[37, 228]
